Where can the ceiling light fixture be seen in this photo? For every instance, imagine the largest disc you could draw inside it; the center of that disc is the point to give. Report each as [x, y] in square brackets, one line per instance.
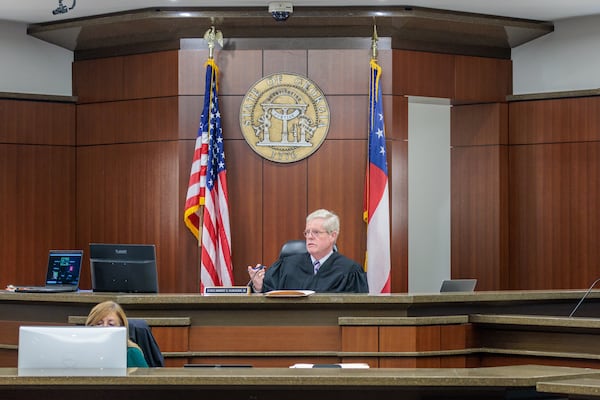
[62, 9]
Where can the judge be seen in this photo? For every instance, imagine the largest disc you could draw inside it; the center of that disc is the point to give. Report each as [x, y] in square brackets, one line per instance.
[320, 269]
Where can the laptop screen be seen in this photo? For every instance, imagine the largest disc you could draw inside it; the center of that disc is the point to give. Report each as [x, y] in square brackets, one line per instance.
[458, 285]
[64, 267]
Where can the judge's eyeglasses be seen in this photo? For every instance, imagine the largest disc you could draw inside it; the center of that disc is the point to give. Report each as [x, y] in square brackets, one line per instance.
[310, 232]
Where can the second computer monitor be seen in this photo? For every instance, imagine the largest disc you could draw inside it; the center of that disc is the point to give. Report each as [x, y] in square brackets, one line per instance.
[126, 268]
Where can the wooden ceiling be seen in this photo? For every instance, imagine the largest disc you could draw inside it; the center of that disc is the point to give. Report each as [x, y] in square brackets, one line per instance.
[311, 27]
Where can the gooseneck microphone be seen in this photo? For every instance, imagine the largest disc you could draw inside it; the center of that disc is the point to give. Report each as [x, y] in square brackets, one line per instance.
[584, 296]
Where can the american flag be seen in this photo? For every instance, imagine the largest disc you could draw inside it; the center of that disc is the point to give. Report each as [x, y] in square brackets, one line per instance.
[208, 187]
[376, 210]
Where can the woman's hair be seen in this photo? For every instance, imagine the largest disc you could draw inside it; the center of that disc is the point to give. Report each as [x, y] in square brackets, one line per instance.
[101, 310]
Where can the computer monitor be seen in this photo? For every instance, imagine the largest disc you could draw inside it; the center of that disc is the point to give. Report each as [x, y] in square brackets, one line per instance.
[72, 351]
[125, 268]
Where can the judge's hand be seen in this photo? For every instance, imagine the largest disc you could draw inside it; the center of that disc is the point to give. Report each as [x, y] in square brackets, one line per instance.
[257, 275]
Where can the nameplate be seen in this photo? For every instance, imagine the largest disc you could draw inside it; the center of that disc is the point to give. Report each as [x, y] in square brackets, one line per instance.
[226, 290]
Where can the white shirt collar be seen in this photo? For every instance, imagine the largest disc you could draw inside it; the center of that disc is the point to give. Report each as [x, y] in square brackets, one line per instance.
[322, 260]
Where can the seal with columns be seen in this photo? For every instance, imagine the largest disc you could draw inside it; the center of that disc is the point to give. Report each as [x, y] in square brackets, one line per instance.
[284, 117]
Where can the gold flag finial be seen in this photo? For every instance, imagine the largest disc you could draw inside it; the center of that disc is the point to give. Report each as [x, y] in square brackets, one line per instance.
[374, 40]
[211, 36]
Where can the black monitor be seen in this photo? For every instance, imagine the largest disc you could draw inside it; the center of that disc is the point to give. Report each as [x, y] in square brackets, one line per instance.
[125, 268]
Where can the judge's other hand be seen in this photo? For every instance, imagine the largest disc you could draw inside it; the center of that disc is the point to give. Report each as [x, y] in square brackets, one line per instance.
[257, 275]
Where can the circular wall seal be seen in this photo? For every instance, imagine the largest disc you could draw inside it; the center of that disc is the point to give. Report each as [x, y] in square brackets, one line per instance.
[284, 117]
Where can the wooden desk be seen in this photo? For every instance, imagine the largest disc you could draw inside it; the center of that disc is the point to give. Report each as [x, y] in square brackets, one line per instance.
[286, 383]
[283, 331]
[523, 338]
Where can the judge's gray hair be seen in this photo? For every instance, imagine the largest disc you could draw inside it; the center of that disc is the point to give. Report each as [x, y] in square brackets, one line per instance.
[331, 222]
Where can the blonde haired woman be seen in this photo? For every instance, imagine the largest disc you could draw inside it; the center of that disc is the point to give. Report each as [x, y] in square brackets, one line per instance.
[109, 313]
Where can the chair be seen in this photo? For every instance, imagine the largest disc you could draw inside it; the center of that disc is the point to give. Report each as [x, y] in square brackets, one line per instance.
[292, 247]
[141, 333]
[295, 246]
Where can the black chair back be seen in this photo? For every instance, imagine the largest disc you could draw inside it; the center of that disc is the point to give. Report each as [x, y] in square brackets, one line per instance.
[292, 247]
[295, 246]
[141, 333]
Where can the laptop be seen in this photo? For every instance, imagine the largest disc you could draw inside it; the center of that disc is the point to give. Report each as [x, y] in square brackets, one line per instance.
[458, 285]
[72, 351]
[62, 275]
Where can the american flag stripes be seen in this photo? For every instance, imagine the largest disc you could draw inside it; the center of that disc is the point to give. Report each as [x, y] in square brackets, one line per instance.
[376, 210]
[208, 187]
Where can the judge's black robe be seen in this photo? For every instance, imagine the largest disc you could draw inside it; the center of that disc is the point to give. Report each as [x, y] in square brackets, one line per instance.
[338, 274]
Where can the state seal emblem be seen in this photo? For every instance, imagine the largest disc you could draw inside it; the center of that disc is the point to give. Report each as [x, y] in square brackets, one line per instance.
[284, 117]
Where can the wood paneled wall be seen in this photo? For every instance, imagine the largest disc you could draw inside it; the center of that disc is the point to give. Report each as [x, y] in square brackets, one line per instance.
[125, 132]
[525, 190]
[479, 158]
[37, 186]
[131, 163]
[479, 194]
[462, 79]
[135, 124]
[554, 193]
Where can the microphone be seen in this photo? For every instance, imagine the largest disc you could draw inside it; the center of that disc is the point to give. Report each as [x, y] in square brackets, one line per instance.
[254, 274]
[584, 296]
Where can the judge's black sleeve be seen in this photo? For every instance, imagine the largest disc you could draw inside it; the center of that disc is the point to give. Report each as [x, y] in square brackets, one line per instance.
[338, 274]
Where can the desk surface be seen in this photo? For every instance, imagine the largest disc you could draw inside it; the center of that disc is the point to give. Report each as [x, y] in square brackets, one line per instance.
[87, 297]
[494, 383]
[580, 387]
[230, 378]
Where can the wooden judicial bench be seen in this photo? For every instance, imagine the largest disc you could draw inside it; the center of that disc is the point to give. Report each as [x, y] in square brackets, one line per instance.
[482, 345]
[459, 330]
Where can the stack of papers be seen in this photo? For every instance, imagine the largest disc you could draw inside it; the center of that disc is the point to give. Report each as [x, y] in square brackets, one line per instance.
[289, 293]
[339, 365]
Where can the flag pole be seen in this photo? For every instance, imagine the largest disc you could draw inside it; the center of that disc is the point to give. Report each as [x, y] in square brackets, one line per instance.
[373, 63]
[211, 36]
[367, 200]
[374, 40]
[206, 210]
[216, 268]
[377, 257]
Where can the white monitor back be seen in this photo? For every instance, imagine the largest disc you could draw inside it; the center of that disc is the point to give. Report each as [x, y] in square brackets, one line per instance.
[72, 351]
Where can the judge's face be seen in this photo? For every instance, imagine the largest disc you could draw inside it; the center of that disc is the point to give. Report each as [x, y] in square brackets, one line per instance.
[319, 242]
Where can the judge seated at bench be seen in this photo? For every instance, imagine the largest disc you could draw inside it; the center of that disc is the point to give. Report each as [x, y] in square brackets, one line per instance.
[317, 268]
